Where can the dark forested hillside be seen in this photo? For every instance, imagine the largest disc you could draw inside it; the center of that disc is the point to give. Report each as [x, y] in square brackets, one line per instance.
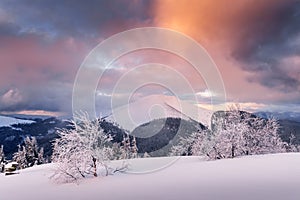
[155, 137]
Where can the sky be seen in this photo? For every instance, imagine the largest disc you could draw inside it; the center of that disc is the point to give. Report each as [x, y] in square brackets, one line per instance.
[255, 45]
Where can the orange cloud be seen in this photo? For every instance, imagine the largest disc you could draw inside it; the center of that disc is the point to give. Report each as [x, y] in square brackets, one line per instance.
[207, 20]
[229, 30]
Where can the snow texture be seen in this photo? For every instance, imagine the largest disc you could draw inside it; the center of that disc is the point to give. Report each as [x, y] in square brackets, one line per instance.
[266, 177]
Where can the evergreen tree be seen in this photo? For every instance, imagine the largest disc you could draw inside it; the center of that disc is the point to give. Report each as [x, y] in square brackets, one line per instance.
[40, 158]
[29, 154]
[20, 157]
[126, 147]
[134, 149]
[31, 150]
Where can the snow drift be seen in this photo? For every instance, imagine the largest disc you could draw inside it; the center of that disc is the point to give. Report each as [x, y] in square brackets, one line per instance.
[265, 177]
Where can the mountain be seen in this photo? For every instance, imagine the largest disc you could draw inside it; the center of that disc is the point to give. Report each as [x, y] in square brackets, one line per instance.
[154, 136]
[28, 117]
[43, 129]
[292, 116]
[288, 127]
[8, 121]
[159, 135]
[153, 107]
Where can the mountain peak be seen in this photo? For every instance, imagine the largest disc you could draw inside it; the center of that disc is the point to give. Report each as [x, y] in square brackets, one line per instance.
[158, 106]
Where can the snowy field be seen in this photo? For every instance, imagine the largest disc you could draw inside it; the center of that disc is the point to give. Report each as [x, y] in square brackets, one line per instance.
[266, 177]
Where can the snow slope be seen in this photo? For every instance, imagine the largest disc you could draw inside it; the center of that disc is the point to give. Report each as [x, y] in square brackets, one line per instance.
[267, 177]
[157, 106]
[8, 121]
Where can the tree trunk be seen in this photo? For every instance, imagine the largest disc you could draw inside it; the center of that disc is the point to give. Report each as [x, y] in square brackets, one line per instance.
[95, 166]
[232, 151]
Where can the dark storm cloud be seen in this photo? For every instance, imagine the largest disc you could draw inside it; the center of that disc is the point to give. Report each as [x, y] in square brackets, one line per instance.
[8, 29]
[75, 17]
[54, 97]
[42, 44]
[266, 40]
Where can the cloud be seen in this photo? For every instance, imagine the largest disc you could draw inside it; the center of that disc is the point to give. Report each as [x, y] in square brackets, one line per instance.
[11, 97]
[54, 97]
[77, 18]
[206, 94]
[263, 52]
[254, 43]
[43, 44]
[253, 107]
[249, 40]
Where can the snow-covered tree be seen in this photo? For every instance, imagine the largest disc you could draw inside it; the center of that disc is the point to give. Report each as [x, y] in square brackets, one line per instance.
[40, 158]
[31, 151]
[29, 154]
[235, 134]
[117, 152]
[20, 157]
[134, 149]
[228, 139]
[184, 145]
[82, 150]
[291, 146]
[126, 146]
[263, 137]
[71, 155]
[146, 155]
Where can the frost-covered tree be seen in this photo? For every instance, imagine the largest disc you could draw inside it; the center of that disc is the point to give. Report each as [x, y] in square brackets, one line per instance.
[235, 134]
[263, 137]
[129, 147]
[31, 150]
[82, 150]
[291, 146]
[20, 157]
[29, 154]
[117, 152]
[228, 139]
[126, 146]
[184, 145]
[146, 155]
[134, 149]
[71, 155]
